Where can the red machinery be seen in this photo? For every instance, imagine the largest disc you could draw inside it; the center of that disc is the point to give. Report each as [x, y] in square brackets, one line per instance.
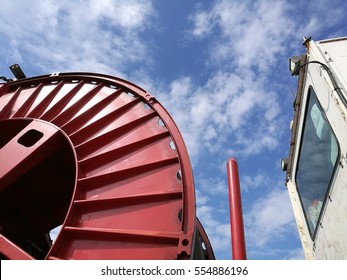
[101, 157]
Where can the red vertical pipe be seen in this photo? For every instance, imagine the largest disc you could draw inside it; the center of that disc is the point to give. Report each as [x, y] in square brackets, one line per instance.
[236, 217]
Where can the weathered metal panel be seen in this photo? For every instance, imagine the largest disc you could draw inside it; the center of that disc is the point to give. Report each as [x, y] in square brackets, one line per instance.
[334, 53]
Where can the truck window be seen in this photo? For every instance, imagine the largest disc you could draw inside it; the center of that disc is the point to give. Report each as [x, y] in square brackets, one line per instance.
[318, 157]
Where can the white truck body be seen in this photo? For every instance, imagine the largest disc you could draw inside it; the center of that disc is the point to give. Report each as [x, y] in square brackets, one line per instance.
[316, 169]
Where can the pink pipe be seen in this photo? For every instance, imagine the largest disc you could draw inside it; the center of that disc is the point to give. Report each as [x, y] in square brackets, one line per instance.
[236, 217]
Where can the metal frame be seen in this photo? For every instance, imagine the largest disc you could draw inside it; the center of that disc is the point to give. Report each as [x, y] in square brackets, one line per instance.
[133, 191]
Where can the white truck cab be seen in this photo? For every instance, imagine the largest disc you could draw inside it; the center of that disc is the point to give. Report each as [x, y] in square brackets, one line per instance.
[316, 168]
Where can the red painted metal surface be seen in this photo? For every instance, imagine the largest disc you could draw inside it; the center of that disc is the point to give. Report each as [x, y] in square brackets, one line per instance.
[206, 245]
[9, 250]
[102, 158]
[236, 216]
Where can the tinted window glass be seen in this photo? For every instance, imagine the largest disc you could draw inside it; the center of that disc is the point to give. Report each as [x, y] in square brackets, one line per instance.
[317, 160]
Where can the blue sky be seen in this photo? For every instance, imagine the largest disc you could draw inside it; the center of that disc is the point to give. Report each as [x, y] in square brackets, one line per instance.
[219, 67]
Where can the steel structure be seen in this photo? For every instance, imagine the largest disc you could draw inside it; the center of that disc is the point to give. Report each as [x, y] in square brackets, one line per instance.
[103, 159]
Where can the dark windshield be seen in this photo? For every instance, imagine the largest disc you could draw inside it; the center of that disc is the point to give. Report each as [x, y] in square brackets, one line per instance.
[317, 160]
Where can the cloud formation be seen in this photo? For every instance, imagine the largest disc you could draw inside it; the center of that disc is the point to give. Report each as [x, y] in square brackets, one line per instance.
[97, 36]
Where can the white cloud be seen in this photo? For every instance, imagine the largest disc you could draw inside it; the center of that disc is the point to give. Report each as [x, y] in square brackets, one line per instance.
[97, 36]
[246, 32]
[201, 198]
[253, 34]
[220, 238]
[214, 115]
[218, 231]
[212, 186]
[250, 183]
[202, 24]
[269, 218]
[14, 53]
[128, 14]
[224, 110]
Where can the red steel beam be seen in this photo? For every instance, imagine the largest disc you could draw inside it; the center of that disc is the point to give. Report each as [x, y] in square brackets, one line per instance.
[236, 216]
[11, 251]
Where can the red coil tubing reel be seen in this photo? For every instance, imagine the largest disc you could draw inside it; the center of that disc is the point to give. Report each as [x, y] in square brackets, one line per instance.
[100, 157]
